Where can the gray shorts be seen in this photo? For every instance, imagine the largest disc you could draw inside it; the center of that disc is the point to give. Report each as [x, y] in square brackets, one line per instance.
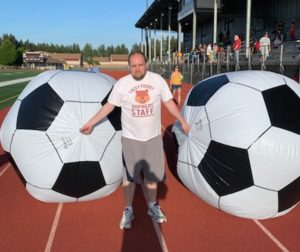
[143, 156]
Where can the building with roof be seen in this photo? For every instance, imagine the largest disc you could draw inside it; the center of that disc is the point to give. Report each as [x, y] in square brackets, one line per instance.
[72, 60]
[44, 60]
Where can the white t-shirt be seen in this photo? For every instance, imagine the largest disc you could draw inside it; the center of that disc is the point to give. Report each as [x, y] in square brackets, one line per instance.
[140, 102]
[264, 44]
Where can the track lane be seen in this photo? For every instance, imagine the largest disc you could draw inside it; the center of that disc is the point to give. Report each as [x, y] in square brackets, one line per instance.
[24, 222]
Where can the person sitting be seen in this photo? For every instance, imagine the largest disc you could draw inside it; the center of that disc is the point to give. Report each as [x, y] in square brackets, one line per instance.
[278, 40]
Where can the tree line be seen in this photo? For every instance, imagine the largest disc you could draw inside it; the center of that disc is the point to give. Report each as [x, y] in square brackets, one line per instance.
[12, 49]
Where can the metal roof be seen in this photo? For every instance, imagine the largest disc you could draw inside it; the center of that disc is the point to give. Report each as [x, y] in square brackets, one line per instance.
[151, 17]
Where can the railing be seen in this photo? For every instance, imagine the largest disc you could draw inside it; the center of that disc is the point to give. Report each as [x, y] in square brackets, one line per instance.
[285, 59]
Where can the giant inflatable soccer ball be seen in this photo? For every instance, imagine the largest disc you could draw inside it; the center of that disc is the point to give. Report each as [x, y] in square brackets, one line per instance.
[41, 135]
[242, 154]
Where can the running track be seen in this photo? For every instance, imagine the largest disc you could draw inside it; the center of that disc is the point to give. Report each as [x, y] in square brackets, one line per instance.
[30, 225]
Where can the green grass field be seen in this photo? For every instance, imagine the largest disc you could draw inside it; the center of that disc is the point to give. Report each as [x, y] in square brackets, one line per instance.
[12, 75]
[8, 94]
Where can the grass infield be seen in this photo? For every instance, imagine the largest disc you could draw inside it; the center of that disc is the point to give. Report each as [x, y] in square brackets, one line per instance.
[8, 94]
[12, 75]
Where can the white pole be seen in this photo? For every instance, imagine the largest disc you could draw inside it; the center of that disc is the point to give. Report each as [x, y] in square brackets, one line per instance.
[194, 30]
[161, 37]
[150, 56]
[178, 37]
[248, 25]
[146, 41]
[215, 21]
[142, 40]
[154, 46]
[169, 40]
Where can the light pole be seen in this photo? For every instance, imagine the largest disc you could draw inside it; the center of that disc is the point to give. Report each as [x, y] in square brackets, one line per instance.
[161, 37]
[169, 39]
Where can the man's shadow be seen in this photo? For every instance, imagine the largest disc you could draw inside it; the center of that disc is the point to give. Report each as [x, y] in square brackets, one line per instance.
[7, 157]
[3, 159]
[171, 151]
[142, 235]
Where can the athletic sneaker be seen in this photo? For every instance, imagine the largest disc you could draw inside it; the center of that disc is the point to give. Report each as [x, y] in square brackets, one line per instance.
[126, 221]
[156, 214]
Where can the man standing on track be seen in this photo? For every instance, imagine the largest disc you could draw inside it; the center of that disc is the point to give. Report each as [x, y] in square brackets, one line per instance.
[139, 94]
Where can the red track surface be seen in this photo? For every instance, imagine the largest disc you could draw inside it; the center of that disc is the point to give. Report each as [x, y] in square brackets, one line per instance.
[30, 225]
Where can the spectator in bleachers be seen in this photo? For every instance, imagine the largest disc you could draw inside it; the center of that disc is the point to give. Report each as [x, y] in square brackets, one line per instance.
[265, 46]
[278, 39]
[237, 44]
[202, 49]
[222, 52]
[179, 57]
[292, 31]
[215, 52]
[194, 55]
[279, 27]
[209, 52]
[255, 46]
[221, 37]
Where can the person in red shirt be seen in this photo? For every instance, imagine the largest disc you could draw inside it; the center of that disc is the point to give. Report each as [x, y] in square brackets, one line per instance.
[255, 47]
[237, 44]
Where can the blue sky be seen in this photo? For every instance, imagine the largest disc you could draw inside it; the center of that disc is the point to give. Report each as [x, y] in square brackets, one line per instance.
[108, 22]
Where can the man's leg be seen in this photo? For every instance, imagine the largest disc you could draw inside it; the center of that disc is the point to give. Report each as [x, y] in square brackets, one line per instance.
[153, 208]
[127, 217]
[151, 188]
[128, 190]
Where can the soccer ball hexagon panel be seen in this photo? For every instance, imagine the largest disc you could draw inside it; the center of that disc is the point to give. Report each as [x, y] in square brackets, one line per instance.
[242, 154]
[41, 135]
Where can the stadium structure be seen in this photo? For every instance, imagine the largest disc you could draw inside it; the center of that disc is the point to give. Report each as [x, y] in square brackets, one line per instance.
[210, 21]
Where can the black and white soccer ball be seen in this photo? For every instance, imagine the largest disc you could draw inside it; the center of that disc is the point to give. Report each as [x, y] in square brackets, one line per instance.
[242, 154]
[41, 135]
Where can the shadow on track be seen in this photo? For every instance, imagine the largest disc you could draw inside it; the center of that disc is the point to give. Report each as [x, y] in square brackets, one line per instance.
[171, 151]
[142, 236]
[3, 159]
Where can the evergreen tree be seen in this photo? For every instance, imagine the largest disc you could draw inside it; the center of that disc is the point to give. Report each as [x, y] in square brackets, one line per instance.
[87, 52]
[101, 51]
[8, 53]
[136, 47]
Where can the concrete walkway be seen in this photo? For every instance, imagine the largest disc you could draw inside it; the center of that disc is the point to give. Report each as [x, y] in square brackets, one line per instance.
[11, 82]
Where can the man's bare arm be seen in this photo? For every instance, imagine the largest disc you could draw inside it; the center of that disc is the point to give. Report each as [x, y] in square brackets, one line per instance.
[173, 109]
[103, 112]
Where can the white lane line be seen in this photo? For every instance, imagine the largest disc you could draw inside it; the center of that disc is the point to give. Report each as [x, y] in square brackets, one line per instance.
[158, 232]
[54, 227]
[4, 169]
[15, 81]
[271, 236]
[9, 98]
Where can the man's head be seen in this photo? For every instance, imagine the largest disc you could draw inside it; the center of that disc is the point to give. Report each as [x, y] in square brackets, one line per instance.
[137, 62]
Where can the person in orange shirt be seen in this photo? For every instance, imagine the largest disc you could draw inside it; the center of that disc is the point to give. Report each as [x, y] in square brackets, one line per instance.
[176, 83]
